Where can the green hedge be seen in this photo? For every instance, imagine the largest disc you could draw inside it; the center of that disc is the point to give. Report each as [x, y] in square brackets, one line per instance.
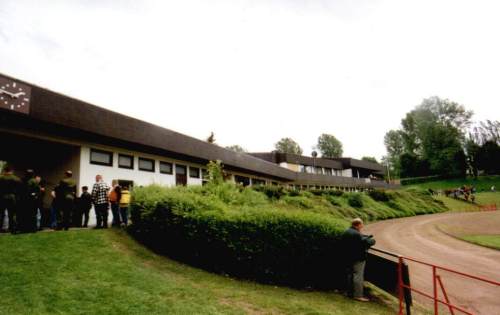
[199, 226]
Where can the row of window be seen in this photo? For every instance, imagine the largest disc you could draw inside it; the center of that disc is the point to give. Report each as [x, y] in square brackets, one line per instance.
[319, 170]
[105, 158]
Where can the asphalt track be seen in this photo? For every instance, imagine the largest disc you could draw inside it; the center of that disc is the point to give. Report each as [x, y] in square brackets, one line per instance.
[423, 238]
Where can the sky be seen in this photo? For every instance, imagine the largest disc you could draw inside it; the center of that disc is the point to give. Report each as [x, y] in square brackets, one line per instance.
[254, 72]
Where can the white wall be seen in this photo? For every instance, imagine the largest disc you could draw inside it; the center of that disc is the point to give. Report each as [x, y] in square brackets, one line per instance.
[347, 172]
[88, 171]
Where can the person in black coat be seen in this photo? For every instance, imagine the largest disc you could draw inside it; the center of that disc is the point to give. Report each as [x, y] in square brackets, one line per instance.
[356, 246]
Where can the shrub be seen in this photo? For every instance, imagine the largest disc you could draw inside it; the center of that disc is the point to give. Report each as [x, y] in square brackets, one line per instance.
[355, 200]
[287, 247]
[379, 195]
[272, 192]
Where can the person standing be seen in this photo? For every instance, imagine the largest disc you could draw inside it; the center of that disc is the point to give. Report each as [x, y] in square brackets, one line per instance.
[356, 246]
[65, 196]
[10, 186]
[101, 203]
[33, 196]
[124, 203]
[85, 205]
[114, 200]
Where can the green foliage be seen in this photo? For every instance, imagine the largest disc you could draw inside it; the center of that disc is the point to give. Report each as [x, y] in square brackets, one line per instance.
[355, 200]
[215, 172]
[263, 243]
[288, 145]
[272, 192]
[430, 141]
[379, 195]
[265, 233]
[329, 146]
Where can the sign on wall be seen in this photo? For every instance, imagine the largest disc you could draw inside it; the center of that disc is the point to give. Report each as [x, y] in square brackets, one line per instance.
[14, 95]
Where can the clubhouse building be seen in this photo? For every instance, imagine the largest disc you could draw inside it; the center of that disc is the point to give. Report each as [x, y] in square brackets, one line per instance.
[51, 133]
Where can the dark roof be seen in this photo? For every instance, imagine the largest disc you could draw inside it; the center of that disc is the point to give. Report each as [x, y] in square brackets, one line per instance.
[62, 111]
[278, 157]
[354, 163]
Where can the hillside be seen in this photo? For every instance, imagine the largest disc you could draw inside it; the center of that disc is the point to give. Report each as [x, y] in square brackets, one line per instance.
[106, 272]
[482, 183]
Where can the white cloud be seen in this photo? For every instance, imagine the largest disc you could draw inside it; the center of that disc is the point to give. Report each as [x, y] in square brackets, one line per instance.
[256, 71]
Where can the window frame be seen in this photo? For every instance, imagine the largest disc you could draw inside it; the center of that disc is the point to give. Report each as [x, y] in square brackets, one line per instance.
[144, 169]
[126, 156]
[111, 155]
[171, 167]
[194, 168]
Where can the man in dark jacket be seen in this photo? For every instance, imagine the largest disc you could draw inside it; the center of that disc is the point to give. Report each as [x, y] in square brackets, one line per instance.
[10, 186]
[65, 196]
[356, 246]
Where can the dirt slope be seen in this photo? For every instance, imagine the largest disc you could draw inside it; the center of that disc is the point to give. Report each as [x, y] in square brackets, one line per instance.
[422, 238]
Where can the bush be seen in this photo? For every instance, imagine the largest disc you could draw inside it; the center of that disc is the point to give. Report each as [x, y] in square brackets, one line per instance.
[355, 200]
[379, 195]
[288, 247]
[272, 192]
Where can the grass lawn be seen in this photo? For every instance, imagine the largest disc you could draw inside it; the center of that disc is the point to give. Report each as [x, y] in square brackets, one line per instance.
[107, 272]
[482, 183]
[484, 198]
[492, 241]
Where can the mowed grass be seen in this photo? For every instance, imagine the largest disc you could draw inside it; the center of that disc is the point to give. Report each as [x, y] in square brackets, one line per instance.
[484, 198]
[482, 183]
[107, 272]
[491, 241]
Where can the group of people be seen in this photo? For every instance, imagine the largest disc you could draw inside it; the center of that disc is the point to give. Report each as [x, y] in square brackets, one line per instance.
[22, 200]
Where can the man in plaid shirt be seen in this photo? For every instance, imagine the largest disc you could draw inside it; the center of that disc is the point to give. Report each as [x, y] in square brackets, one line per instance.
[101, 202]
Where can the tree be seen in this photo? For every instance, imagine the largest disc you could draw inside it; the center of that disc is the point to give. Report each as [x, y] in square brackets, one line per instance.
[329, 146]
[288, 145]
[369, 159]
[489, 157]
[431, 139]
[394, 145]
[236, 148]
[211, 138]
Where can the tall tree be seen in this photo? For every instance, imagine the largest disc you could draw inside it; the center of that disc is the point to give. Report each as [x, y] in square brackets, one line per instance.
[236, 148]
[329, 146]
[431, 139]
[288, 145]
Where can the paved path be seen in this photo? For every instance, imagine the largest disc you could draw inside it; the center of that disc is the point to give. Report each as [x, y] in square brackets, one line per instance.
[422, 238]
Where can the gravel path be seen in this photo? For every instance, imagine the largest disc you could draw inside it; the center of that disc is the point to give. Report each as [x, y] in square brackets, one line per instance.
[422, 238]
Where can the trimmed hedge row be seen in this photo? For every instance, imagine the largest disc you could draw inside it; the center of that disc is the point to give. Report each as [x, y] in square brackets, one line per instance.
[198, 226]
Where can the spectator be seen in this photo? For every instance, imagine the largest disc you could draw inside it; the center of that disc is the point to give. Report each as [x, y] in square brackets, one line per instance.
[114, 199]
[356, 246]
[84, 206]
[101, 202]
[124, 203]
[65, 193]
[10, 186]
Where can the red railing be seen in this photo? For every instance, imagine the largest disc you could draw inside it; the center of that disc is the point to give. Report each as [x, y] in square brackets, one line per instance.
[492, 207]
[437, 284]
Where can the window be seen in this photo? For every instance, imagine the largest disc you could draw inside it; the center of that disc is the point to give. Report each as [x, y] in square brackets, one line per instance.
[242, 180]
[204, 174]
[146, 165]
[125, 161]
[180, 169]
[302, 168]
[319, 170]
[100, 157]
[166, 168]
[258, 182]
[309, 169]
[194, 172]
[328, 171]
